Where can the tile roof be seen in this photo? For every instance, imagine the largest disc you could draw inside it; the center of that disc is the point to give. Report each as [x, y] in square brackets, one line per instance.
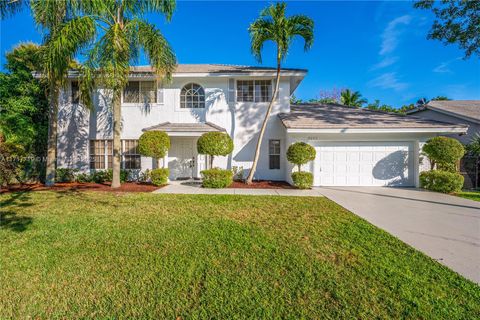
[335, 116]
[185, 127]
[463, 108]
[216, 68]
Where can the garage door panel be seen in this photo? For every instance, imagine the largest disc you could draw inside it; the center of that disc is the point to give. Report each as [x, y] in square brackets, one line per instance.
[365, 164]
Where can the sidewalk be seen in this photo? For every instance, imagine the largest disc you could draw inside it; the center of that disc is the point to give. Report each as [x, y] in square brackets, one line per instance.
[184, 187]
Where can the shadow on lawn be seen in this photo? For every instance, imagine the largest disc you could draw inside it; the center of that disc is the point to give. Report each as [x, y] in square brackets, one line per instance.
[9, 218]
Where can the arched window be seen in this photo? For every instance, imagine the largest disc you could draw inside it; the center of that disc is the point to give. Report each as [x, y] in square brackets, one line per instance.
[192, 96]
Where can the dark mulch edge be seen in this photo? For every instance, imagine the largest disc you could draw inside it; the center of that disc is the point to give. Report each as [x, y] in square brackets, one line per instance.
[262, 184]
[74, 186]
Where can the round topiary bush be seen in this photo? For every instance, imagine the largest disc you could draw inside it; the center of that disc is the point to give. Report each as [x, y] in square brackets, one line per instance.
[444, 152]
[441, 181]
[216, 178]
[214, 144]
[302, 179]
[300, 153]
[154, 144]
[159, 177]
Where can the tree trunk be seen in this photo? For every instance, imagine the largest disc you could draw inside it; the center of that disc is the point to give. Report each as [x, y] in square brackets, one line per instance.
[211, 162]
[264, 125]
[117, 117]
[52, 137]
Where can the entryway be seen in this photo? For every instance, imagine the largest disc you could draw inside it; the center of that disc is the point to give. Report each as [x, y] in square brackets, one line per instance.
[183, 160]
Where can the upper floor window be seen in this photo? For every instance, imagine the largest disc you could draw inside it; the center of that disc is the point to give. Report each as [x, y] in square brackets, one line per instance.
[140, 92]
[192, 96]
[254, 90]
[75, 92]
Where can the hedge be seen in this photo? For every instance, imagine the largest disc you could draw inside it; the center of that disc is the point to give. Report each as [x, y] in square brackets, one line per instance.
[302, 179]
[159, 177]
[444, 152]
[216, 178]
[441, 181]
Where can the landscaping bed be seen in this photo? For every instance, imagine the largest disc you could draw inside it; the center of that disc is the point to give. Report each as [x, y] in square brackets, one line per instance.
[76, 186]
[71, 255]
[262, 184]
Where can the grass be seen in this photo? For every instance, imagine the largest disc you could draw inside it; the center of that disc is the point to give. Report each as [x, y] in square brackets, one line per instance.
[99, 255]
[472, 195]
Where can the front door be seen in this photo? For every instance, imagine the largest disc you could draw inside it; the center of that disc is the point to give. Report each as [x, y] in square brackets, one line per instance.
[182, 158]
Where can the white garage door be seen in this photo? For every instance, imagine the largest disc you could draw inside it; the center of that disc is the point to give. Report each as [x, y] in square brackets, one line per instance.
[364, 164]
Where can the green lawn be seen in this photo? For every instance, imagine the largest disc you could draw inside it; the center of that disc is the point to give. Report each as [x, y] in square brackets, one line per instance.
[472, 195]
[84, 255]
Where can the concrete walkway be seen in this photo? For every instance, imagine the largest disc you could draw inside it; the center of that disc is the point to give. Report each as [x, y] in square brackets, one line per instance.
[447, 228]
[187, 187]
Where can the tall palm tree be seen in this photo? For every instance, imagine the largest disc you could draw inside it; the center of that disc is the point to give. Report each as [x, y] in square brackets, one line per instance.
[352, 99]
[64, 39]
[122, 34]
[273, 25]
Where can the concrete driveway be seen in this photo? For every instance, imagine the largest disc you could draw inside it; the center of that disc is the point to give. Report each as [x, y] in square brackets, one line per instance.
[446, 228]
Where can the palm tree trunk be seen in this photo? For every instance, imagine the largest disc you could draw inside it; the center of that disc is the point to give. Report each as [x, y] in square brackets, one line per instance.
[52, 137]
[264, 125]
[117, 117]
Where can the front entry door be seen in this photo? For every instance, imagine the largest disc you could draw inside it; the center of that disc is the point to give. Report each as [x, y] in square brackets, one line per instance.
[182, 158]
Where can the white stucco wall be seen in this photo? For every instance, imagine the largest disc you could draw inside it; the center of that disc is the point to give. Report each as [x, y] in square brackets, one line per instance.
[241, 120]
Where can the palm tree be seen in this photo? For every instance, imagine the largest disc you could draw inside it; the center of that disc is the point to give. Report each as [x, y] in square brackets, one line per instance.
[352, 99]
[123, 34]
[273, 25]
[64, 38]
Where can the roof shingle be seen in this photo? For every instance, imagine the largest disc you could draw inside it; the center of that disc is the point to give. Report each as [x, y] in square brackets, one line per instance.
[334, 116]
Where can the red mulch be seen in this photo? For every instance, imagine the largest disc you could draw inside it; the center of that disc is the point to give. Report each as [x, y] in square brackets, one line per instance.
[262, 184]
[74, 186]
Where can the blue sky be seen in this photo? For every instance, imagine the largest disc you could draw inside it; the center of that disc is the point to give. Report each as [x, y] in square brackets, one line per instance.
[378, 48]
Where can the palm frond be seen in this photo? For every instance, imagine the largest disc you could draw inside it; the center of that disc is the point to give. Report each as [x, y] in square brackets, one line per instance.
[157, 48]
[10, 7]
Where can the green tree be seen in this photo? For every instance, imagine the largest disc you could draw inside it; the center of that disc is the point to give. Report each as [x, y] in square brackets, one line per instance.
[154, 144]
[273, 25]
[215, 144]
[300, 153]
[456, 22]
[123, 34]
[23, 104]
[352, 99]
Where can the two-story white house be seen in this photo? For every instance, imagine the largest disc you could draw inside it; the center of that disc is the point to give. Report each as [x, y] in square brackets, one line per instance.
[354, 147]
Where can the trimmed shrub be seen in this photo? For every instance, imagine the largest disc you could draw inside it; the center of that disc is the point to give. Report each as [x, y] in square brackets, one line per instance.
[216, 178]
[300, 153]
[441, 181]
[65, 175]
[83, 178]
[302, 179]
[154, 144]
[159, 177]
[214, 144]
[101, 176]
[444, 152]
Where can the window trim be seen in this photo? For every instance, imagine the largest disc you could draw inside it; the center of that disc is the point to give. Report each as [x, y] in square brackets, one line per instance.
[179, 104]
[156, 88]
[279, 154]
[253, 93]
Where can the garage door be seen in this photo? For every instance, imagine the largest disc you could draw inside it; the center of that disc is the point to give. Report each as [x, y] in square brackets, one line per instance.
[364, 164]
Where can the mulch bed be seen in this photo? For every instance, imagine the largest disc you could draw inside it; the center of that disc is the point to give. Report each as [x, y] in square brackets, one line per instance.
[73, 186]
[262, 184]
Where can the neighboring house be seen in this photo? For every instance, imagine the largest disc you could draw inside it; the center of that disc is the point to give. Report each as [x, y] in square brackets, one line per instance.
[354, 147]
[465, 112]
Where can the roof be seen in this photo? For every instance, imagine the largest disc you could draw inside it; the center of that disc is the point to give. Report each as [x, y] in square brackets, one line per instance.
[217, 68]
[335, 116]
[185, 127]
[465, 109]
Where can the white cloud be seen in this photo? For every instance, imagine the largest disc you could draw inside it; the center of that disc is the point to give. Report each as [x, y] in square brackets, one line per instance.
[388, 80]
[391, 34]
[444, 66]
[385, 62]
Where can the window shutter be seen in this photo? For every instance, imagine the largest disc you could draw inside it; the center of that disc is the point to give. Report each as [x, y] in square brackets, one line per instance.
[231, 90]
[160, 94]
